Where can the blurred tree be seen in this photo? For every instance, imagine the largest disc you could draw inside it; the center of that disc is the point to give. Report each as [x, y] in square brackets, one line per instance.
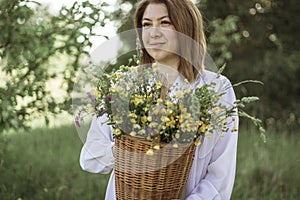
[30, 38]
[268, 51]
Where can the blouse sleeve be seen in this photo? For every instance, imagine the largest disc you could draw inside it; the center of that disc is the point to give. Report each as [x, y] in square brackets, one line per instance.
[218, 181]
[96, 154]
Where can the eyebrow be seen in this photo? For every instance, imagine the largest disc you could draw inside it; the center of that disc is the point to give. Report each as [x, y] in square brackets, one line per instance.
[147, 19]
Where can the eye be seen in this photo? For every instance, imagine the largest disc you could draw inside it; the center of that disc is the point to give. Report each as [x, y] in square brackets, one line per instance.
[146, 24]
[165, 23]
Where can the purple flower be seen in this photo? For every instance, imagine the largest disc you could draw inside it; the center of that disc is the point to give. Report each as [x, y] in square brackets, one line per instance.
[77, 121]
[108, 97]
[150, 130]
[91, 97]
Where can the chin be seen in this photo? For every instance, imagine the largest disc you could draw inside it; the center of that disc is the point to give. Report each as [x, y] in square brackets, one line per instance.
[159, 56]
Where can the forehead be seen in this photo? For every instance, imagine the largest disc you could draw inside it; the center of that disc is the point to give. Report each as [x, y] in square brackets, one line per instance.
[155, 11]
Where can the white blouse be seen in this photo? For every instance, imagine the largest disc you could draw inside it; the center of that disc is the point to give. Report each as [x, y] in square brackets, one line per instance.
[213, 170]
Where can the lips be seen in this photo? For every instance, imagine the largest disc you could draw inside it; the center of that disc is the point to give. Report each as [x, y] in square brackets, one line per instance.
[156, 44]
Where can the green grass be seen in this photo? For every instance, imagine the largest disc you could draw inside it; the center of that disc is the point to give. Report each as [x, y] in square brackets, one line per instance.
[43, 164]
[268, 170]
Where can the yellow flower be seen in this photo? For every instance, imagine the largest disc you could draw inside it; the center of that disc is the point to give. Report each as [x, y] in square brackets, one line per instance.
[155, 111]
[184, 129]
[199, 123]
[133, 133]
[145, 109]
[164, 119]
[117, 131]
[208, 135]
[179, 94]
[150, 152]
[224, 129]
[157, 147]
[183, 110]
[143, 119]
[209, 127]
[133, 121]
[120, 121]
[216, 109]
[119, 74]
[159, 101]
[194, 128]
[129, 85]
[225, 120]
[171, 122]
[137, 100]
[158, 85]
[234, 129]
[177, 135]
[175, 145]
[133, 115]
[142, 132]
[169, 103]
[149, 118]
[203, 128]
[197, 142]
[149, 98]
[180, 119]
[136, 126]
[112, 89]
[153, 124]
[96, 93]
[164, 111]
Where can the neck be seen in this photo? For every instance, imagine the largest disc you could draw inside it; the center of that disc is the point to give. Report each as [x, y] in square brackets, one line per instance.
[171, 64]
[169, 73]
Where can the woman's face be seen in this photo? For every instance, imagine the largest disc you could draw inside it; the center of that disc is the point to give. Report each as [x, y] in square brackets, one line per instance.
[159, 35]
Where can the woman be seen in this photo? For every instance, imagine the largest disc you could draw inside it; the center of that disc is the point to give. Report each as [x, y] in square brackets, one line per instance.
[158, 23]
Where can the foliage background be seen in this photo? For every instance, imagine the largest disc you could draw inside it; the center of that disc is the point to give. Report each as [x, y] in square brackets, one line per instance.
[40, 54]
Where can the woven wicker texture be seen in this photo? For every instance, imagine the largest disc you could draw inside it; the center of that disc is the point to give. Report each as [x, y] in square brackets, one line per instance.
[161, 176]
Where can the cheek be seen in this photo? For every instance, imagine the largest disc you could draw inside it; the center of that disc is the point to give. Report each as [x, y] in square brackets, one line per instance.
[175, 42]
[144, 38]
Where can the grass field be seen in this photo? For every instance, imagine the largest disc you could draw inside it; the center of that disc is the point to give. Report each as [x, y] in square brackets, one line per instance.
[43, 164]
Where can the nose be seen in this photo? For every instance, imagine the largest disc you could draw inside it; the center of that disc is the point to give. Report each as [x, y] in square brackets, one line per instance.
[155, 32]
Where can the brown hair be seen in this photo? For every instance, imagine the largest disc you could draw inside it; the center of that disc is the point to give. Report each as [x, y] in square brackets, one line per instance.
[187, 19]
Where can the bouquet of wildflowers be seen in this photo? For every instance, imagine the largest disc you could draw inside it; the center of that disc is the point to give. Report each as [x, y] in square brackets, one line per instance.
[138, 102]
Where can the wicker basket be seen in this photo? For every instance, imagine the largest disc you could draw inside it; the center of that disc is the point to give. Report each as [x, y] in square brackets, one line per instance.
[160, 176]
